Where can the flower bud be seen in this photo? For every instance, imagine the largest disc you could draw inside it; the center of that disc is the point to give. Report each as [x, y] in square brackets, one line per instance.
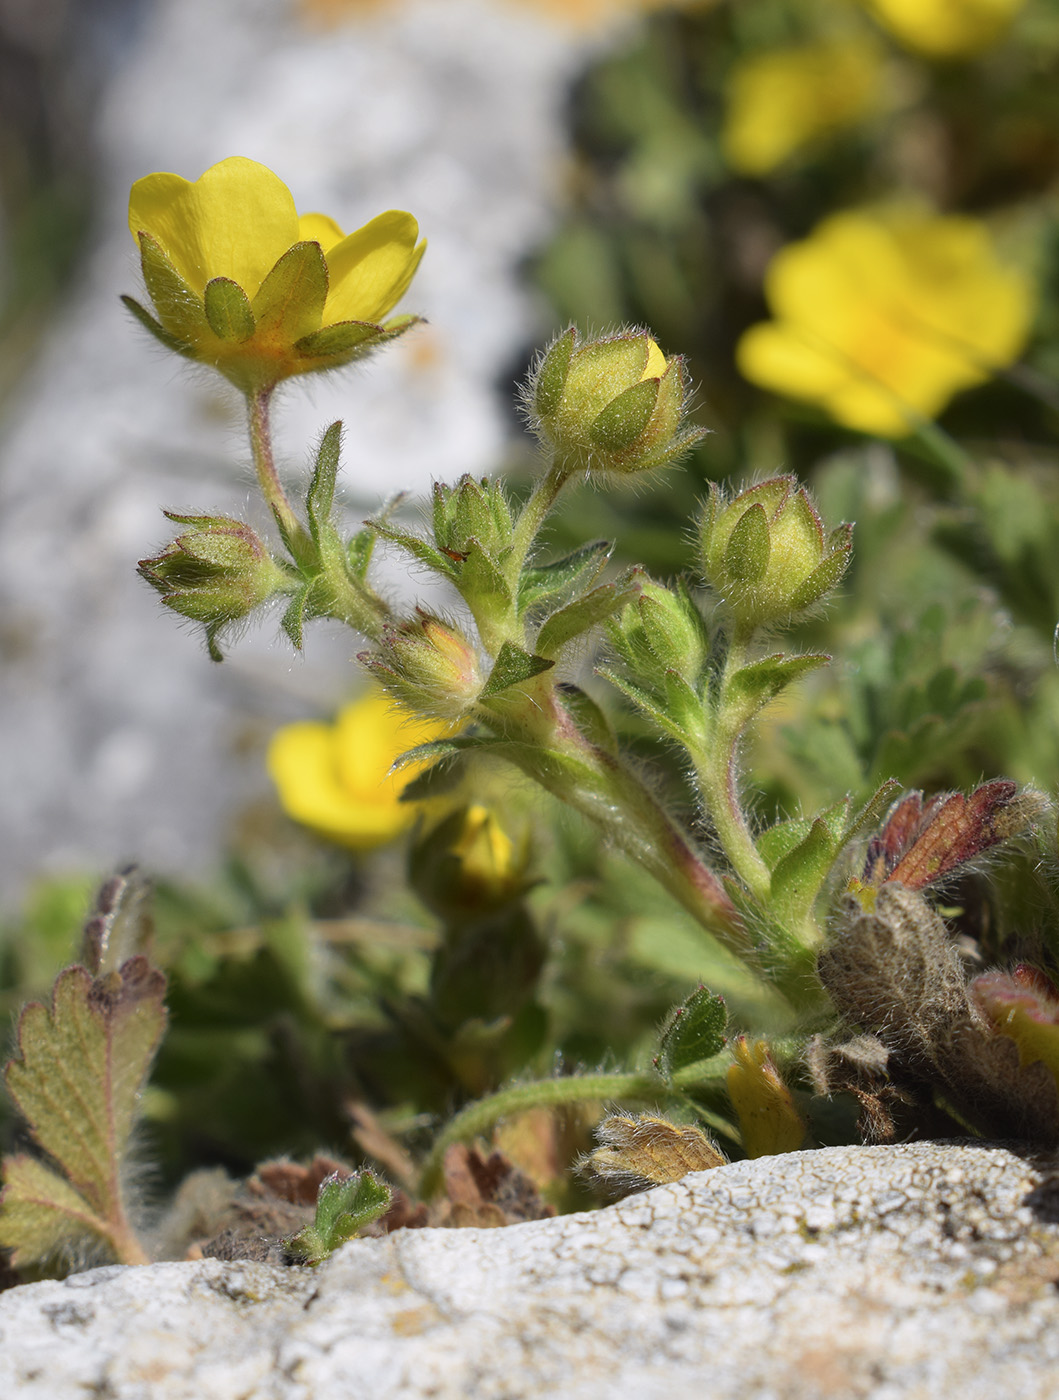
[765, 552]
[428, 665]
[467, 866]
[215, 572]
[472, 510]
[613, 404]
[663, 628]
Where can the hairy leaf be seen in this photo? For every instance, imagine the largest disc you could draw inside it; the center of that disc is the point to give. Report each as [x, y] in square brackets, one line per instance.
[344, 1205]
[693, 1032]
[77, 1079]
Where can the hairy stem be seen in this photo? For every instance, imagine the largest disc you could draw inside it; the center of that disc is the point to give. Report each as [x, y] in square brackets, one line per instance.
[532, 517]
[265, 466]
[552, 1093]
[717, 769]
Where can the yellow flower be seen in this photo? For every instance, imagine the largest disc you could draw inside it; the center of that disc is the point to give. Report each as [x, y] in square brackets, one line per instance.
[336, 778]
[786, 99]
[881, 317]
[240, 281]
[946, 28]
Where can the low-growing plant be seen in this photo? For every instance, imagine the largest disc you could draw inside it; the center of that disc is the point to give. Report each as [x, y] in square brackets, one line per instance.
[823, 925]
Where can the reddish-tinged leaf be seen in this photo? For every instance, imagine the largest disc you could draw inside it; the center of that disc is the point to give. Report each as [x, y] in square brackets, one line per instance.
[920, 843]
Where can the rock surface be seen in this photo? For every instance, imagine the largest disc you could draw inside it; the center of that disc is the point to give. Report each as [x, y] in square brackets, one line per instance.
[895, 1273]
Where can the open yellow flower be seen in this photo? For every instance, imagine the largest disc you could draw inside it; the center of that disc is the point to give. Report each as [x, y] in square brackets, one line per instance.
[336, 778]
[946, 28]
[880, 317]
[241, 282]
[785, 99]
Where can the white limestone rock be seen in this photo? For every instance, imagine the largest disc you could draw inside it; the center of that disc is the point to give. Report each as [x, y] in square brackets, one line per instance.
[890, 1273]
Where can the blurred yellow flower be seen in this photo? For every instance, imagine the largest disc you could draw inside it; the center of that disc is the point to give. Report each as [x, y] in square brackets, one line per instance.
[880, 317]
[783, 100]
[579, 13]
[240, 281]
[946, 28]
[336, 778]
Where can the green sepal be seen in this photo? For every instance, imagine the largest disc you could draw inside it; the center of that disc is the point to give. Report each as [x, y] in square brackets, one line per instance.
[755, 685]
[554, 583]
[339, 339]
[746, 557]
[828, 573]
[160, 334]
[624, 419]
[358, 553]
[290, 301]
[551, 376]
[799, 876]
[686, 709]
[180, 311]
[228, 310]
[397, 325]
[418, 547]
[694, 1031]
[344, 1205]
[584, 612]
[321, 494]
[482, 584]
[511, 667]
[589, 717]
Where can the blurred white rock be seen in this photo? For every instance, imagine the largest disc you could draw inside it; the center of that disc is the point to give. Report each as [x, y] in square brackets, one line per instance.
[118, 739]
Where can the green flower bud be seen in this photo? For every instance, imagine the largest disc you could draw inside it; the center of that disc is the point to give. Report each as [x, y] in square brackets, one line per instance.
[765, 552]
[215, 572]
[427, 665]
[472, 510]
[662, 628]
[613, 404]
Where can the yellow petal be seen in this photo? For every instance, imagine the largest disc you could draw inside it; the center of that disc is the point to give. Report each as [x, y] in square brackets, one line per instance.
[779, 357]
[235, 221]
[371, 269]
[319, 228]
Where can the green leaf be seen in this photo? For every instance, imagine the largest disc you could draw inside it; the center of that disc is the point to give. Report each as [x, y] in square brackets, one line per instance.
[583, 613]
[344, 1205]
[554, 583]
[511, 667]
[301, 609]
[419, 548]
[321, 495]
[646, 701]
[755, 685]
[81, 1065]
[800, 875]
[290, 301]
[694, 1031]
[340, 338]
[228, 310]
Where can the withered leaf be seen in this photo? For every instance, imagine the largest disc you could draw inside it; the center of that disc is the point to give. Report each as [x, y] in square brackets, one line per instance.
[637, 1151]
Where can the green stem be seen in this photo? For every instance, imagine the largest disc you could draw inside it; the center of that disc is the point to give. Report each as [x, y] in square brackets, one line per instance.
[265, 466]
[717, 769]
[532, 517]
[549, 1093]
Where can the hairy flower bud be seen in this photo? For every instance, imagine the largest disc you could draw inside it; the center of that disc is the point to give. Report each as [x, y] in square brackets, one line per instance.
[215, 572]
[428, 665]
[472, 511]
[765, 552]
[613, 404]
[468, 866]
